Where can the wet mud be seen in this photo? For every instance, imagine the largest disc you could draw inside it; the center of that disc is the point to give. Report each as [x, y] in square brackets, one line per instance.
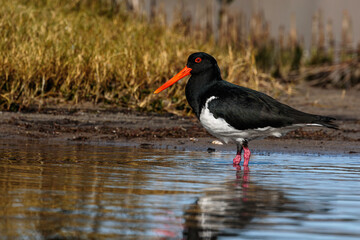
[100, 125]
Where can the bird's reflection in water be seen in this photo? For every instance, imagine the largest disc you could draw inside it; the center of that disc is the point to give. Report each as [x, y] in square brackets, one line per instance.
[233, 206]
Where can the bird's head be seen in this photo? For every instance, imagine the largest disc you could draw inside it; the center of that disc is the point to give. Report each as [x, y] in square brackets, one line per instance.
[197, 63]
[200, 62]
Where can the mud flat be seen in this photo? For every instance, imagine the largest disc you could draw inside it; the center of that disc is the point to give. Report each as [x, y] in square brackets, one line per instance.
[104, 125]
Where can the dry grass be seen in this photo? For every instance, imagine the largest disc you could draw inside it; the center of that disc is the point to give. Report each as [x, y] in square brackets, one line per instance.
[73, 52]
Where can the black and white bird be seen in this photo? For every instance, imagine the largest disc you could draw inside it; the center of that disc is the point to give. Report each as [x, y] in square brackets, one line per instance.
[236, 114]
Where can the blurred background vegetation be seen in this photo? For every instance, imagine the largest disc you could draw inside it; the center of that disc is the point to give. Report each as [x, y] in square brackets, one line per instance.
[110, 52]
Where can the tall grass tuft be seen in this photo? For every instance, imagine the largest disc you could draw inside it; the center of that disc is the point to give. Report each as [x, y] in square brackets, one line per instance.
[77, 51]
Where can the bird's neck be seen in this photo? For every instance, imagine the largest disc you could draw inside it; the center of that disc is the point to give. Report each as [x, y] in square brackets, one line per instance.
[198, 84]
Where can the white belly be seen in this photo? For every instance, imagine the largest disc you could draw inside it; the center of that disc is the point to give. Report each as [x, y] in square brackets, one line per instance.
[219, 128]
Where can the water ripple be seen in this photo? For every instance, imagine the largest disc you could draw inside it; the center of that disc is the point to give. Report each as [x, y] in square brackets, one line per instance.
[82, 191]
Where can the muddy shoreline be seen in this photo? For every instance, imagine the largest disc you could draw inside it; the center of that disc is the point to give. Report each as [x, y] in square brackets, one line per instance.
[98, 125]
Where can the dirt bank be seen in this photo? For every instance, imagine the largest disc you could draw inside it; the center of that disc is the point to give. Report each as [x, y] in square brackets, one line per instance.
[90, 124]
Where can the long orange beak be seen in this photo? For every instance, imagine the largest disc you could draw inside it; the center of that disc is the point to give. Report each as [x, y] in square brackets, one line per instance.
[186, 71]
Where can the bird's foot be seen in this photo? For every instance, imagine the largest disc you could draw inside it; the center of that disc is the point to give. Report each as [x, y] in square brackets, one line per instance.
[237, 159]
[247, 155]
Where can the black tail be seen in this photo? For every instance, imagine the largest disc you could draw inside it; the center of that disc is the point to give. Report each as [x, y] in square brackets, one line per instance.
[326, 121]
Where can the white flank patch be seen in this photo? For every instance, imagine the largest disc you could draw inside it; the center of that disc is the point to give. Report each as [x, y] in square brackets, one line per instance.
[215, 126]
[217, 142]
[219, 128]
[313, 124]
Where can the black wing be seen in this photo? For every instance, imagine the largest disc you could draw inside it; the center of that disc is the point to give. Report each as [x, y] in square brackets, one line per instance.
[245, 108]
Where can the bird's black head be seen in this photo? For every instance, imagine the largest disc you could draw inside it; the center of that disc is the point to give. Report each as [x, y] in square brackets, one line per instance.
[200, 62]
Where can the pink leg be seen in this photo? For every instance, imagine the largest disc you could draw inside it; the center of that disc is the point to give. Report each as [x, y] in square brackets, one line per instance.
[237, 159]
[247, 154]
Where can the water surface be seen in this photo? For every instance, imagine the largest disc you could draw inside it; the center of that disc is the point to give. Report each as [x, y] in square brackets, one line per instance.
[53, 191]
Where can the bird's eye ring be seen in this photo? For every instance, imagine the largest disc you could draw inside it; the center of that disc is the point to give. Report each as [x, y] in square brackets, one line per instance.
[197, 60]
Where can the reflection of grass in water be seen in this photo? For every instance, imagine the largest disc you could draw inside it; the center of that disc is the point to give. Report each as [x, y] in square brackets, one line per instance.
[82, 51]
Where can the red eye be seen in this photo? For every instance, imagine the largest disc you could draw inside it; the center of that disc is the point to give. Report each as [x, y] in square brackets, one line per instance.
[197, 60]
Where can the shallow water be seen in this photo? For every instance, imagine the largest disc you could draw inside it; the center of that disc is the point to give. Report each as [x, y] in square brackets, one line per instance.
[50, 191]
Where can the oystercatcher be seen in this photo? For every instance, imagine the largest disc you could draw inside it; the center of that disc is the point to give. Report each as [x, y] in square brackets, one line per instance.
[237, 114]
